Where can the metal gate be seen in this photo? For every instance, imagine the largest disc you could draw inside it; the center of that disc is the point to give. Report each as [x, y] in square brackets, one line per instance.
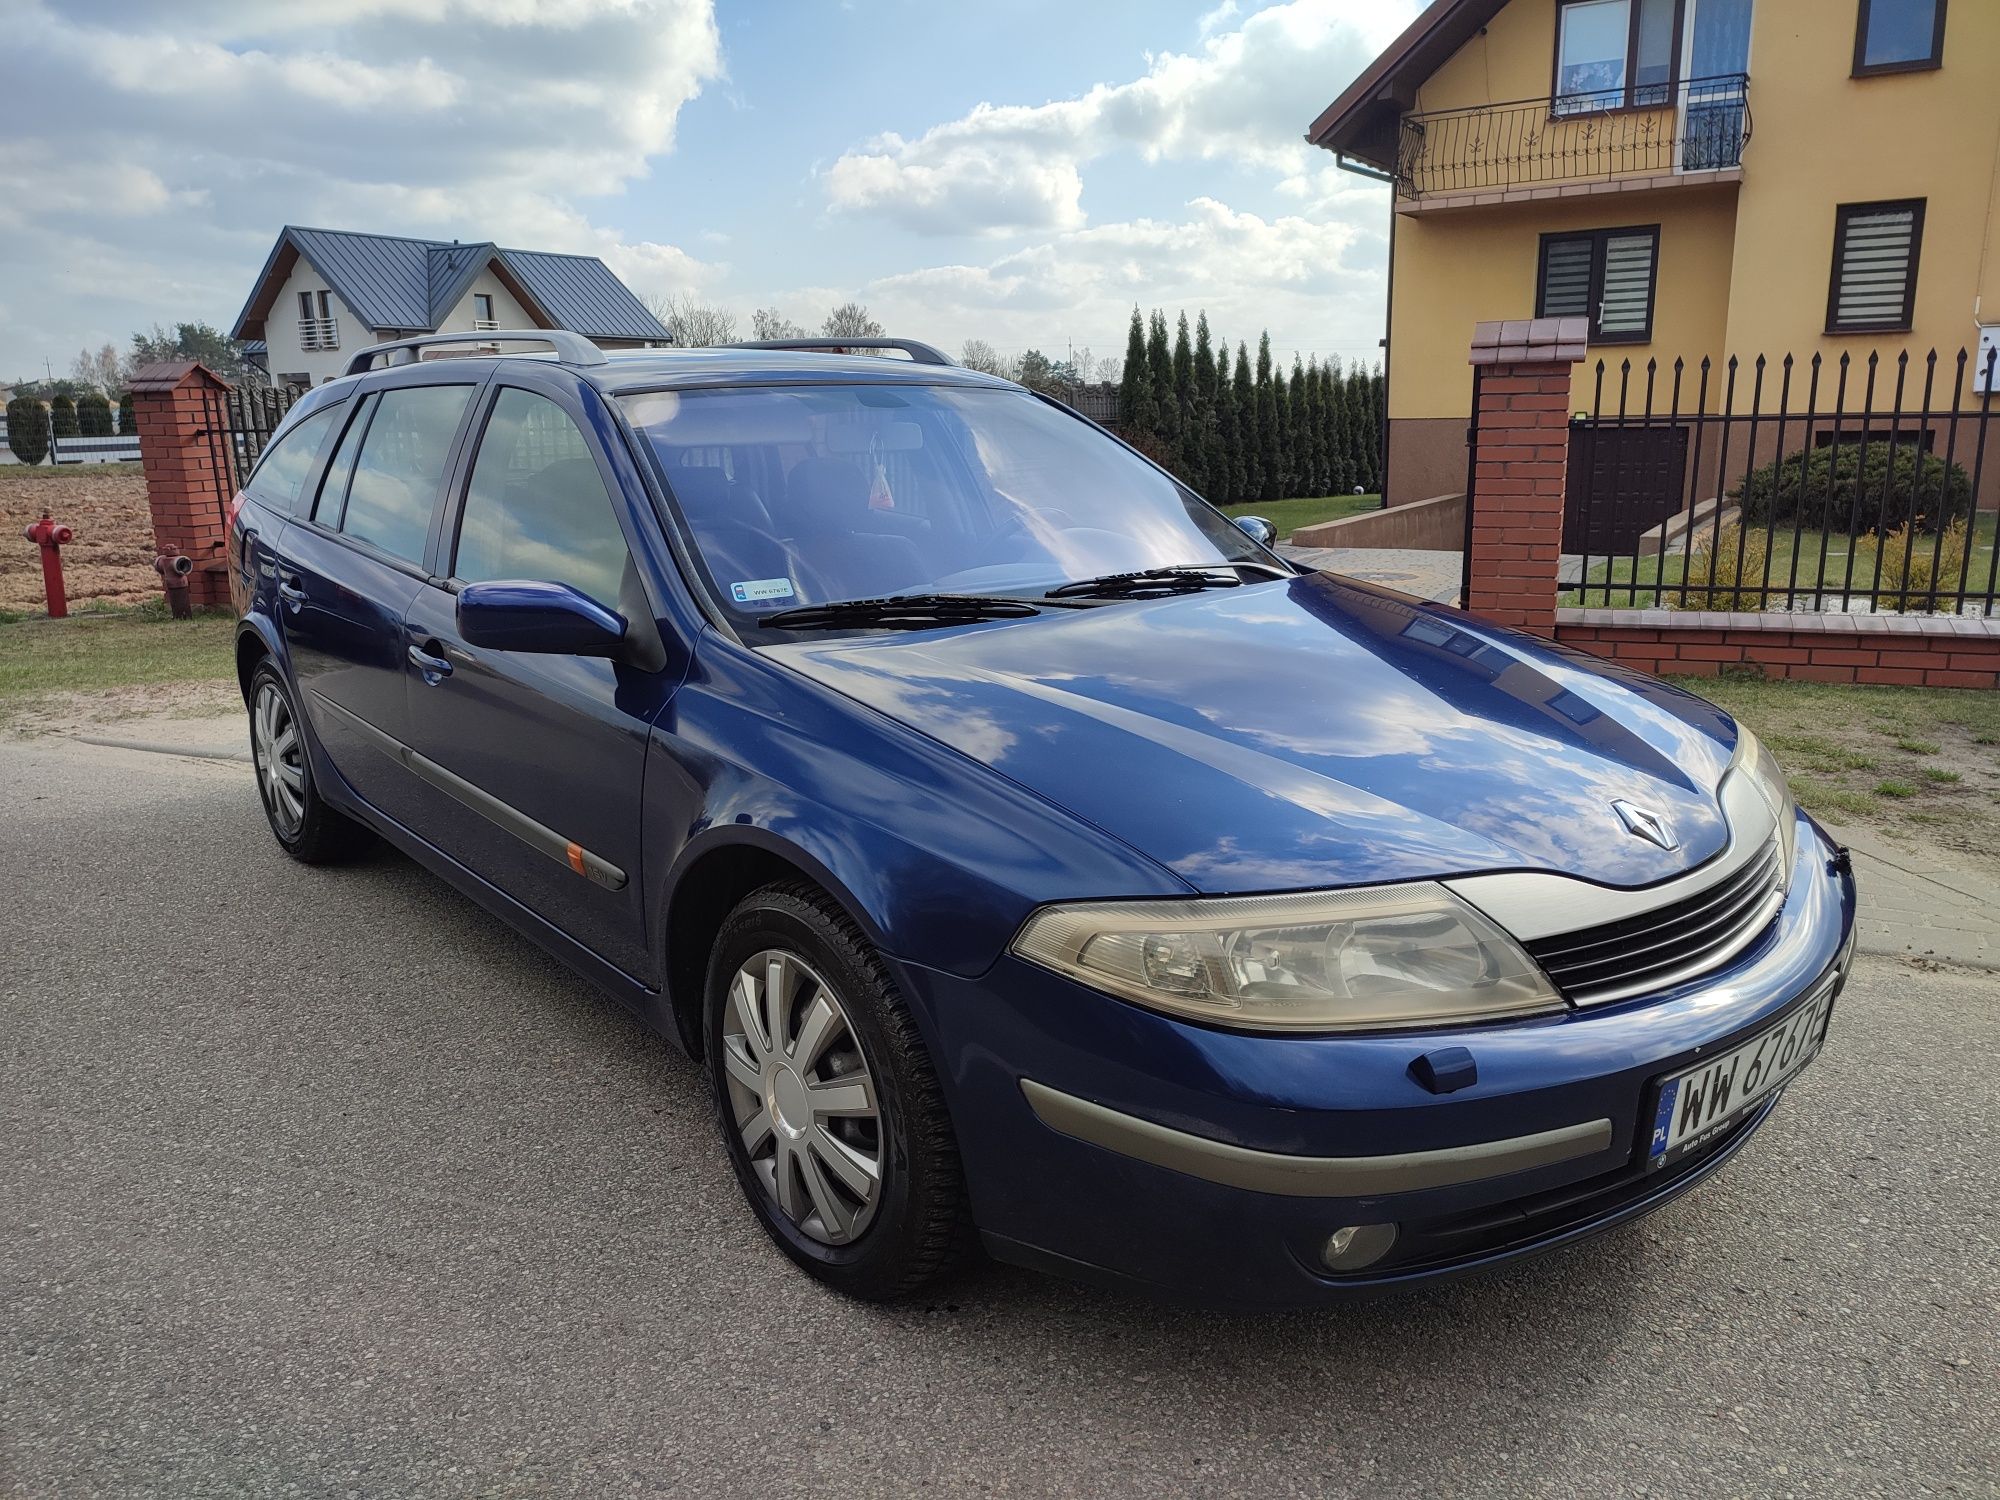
[1622, 482]
[240, 422]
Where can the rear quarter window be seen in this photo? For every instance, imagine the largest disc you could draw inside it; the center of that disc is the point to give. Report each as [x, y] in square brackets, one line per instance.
[289, 462]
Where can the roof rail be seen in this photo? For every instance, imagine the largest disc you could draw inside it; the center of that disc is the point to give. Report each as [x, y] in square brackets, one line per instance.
[922, 354]
[570, 348]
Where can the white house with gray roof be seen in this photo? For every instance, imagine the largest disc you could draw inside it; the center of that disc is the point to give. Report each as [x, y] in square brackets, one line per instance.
[325, 293]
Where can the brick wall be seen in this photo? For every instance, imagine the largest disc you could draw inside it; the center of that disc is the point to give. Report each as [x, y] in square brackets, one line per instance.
[1919, 650]
[1520, 454]
[182, 460]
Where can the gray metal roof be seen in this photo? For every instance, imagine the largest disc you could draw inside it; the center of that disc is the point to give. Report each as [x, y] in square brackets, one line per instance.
[581, 293]
[392, 282]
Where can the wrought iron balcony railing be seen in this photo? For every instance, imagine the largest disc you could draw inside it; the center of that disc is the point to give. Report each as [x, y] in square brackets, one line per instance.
[1699, 124]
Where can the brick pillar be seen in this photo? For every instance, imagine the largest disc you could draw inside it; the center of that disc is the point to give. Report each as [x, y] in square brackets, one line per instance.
[176, 404]
[1520, 462]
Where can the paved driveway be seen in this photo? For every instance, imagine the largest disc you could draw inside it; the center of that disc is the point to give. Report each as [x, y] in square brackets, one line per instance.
[323, 1183]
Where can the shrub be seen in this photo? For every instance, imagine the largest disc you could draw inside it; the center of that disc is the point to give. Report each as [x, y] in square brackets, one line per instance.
[28, 429]
[128, 414]
[1934, 569]
[93, 416]
[1866, 483]
[1715, 565]
[62, 417]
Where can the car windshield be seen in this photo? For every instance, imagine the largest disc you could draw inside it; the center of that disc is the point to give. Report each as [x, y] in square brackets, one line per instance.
[816, 494]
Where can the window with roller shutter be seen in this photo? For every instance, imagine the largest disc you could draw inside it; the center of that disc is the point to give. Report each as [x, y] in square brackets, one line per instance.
[1606, 275]
[1874, 286]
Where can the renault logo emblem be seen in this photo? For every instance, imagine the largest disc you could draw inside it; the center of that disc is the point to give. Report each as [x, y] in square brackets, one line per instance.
[1643, 822]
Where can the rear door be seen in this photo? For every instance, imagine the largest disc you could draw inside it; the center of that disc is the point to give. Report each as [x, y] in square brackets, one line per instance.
[350, 565]
[288, 470]
[542, 757]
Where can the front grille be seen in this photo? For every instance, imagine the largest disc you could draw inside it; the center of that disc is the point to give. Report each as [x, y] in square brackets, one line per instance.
[1669, 943]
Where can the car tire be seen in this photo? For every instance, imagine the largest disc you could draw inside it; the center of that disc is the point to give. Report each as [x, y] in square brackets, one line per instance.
[812, 1104]
[303, 824]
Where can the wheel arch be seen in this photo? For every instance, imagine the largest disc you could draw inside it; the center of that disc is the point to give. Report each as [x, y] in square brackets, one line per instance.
[709, 879]
[255, 640]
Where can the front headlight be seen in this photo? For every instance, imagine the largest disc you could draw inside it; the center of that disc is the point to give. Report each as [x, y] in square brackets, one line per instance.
[1384, 956]
[1756, 762]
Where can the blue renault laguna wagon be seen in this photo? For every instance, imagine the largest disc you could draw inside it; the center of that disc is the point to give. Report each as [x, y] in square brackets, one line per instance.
[1026, 850]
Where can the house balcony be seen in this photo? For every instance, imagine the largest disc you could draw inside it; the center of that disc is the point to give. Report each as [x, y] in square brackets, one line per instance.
[1691, 134]
[319, 333]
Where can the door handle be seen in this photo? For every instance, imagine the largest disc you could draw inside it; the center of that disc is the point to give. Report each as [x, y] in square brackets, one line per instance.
[434, 668]
[290, 592]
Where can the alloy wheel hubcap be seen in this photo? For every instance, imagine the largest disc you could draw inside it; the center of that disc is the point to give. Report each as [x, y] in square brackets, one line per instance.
[802, 1097]
[281, 761]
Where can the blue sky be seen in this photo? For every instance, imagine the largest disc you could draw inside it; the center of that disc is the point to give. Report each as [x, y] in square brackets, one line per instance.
[1021, 171]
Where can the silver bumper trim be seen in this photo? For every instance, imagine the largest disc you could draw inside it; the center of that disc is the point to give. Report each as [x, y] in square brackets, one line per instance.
[1308, 1176]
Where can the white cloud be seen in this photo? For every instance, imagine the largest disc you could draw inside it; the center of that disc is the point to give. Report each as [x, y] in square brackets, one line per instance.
[1317, 285]
[214, 122]
[1244, 95]
[1213, 21]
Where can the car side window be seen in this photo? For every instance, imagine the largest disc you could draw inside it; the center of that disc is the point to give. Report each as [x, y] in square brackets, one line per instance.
[332, 496]
[283, 470]
[536, 507]
[400, 466]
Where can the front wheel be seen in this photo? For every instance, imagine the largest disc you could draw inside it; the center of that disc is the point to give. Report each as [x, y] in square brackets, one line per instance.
[829, 1106]
[305, 827]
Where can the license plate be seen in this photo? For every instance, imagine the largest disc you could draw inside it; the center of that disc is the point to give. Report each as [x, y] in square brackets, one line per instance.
[1697, 1106]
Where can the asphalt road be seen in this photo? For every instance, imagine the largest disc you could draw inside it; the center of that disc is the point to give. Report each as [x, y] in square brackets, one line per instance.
[323, 1183]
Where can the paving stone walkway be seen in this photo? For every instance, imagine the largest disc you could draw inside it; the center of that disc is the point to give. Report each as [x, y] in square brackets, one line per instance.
[1916, 905]
[1428, 575]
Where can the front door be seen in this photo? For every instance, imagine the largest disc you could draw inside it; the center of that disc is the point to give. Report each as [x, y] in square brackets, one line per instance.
[1713, 97]
[348, 567]
[535, 760]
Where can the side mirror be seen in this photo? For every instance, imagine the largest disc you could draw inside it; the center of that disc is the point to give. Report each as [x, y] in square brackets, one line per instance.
[523, 615]
[1258, 530]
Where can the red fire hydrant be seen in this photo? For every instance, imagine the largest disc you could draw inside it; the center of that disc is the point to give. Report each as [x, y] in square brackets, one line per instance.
[50, 537]
[174, 570]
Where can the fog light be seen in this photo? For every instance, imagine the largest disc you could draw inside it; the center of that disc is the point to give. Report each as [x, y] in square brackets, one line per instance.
[1357, 1246]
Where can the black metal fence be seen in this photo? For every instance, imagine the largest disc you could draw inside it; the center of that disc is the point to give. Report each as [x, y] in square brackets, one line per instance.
[1698, 124]
[240, 423]
[1845, 485]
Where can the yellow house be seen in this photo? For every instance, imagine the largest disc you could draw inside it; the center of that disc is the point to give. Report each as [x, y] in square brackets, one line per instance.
[1701, 178]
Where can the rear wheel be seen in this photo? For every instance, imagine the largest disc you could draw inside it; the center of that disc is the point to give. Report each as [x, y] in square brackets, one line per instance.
[829, 1106]
[305, 827]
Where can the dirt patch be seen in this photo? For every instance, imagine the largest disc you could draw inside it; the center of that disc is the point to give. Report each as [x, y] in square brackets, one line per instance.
[129, 710]
[111, 560]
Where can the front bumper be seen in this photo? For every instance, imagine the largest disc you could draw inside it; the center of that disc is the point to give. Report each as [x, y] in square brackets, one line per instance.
[1103, 1139]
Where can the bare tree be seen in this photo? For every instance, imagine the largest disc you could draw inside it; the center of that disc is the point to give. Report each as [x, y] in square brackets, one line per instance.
[977, 354]
[103, 371]
[850, 320]
[693, 324]
[1089, 369]
[769, 323]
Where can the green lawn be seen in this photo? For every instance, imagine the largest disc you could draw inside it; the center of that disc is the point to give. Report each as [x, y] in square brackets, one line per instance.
[1289, 515]
[1923, 761]
[1639, 595]
[113, 647]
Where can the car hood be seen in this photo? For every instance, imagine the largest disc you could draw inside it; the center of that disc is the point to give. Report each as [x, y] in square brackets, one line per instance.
[1310, 732]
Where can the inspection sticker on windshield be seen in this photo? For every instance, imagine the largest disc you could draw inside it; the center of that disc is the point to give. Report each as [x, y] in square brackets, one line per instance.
[758, 590]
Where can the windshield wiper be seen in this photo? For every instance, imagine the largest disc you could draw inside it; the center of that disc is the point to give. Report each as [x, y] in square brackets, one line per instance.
[909, 611]
[1151, 583]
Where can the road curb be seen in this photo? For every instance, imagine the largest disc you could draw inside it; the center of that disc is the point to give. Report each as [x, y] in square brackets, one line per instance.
[156, 747]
